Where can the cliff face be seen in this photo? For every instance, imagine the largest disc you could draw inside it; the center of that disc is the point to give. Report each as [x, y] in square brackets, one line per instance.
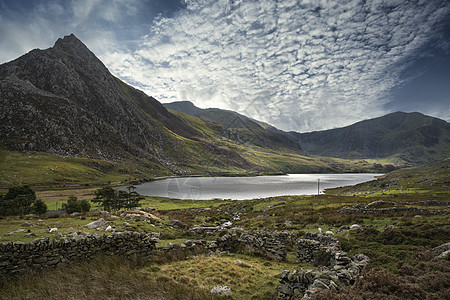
[64, 101]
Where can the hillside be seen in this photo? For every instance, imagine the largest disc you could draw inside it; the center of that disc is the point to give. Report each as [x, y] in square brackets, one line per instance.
[401, 138]
[409, 137]
[64, 118]
[241, 128]
[415, 182]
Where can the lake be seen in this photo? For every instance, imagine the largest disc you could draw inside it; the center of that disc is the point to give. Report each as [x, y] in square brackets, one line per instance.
[241, 188]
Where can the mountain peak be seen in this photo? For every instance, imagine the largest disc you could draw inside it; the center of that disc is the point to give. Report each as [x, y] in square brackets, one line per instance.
[69, 40]
[71, 45]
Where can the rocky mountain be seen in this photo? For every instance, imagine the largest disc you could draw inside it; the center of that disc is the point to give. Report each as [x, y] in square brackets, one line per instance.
[240, 128]
[411, 137]
[406, 138]
[64, 101]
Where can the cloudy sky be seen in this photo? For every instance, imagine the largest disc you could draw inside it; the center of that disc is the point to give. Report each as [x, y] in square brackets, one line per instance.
[300, 65]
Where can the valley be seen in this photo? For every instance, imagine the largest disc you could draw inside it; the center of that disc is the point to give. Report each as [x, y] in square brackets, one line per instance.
[70, 131]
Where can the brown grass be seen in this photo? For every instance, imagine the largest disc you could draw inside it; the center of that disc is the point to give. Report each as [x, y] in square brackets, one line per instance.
[426, 280]
[100, 278]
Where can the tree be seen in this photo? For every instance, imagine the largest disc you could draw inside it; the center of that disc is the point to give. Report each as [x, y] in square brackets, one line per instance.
[106, 197]
[39, 207]
[85, 205]
[20, 200]
[112, 199]
[73, 205]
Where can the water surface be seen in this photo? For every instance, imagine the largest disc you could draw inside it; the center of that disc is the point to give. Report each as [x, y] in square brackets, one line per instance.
[241, 188]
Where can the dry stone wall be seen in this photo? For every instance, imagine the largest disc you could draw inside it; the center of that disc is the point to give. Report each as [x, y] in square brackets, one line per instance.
[339, 271]
[372, 209]
[311, 243]
[266, 243]
[43, 253]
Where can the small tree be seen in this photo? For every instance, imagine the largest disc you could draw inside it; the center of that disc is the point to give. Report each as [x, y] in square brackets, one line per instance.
[106, 197]
[112, 199]
[133, 198]
[85, 205]
[73, 205]
[39, 207]
[18, 200]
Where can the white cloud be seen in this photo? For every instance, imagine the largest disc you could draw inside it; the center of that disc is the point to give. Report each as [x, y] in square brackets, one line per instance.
[299, 65]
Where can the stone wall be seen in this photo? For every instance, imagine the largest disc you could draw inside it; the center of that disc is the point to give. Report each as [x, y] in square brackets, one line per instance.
[338, 271]
[311, 243]
[270, 244]
[372, 210]
[43, 253]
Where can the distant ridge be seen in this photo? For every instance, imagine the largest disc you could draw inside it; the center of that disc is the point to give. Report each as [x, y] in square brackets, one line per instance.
[244, 128]
[412, 137]
[407, 138]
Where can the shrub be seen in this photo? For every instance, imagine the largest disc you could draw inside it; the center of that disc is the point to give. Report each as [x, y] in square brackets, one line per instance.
[39, 207]
[73, 205]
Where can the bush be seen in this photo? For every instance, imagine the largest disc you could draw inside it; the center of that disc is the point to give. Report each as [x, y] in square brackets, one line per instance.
[73, 205]
[39, 207]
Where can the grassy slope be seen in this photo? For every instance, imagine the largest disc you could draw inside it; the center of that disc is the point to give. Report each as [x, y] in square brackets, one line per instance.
[432, 178]
[212, 153]
[395, 253]
[37, 168]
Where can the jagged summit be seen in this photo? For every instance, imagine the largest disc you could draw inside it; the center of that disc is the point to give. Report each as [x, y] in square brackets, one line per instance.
[63, 100]
[69, 40]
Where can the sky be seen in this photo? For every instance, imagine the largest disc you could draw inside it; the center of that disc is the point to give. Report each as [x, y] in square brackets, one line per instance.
[300, 65]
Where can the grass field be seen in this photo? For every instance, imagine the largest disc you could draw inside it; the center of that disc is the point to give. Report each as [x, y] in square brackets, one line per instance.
[399, 244]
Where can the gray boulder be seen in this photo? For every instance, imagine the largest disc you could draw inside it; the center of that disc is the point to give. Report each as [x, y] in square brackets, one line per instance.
[100, 224]
[221, 290]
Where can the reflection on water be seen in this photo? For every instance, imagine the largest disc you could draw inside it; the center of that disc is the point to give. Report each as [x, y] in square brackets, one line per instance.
[240, 188]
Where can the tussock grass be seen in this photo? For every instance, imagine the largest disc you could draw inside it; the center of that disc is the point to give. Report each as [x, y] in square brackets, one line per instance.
[249, 277]
[100, 278]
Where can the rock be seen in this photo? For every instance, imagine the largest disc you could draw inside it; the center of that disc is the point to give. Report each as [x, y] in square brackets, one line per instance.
[205, 229]
[355, 226]
[243, 264]
[445, 246]
[329, 233]
[75, 214]
[444, 254]
[31, 216]
[221, 290]
[176, 224]
[288, 223]
[109, 228]
[27, 223]
[133, 214]
[388, 227]
[17, 231]
[125, 224]
[100, 224]
[227, 224]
